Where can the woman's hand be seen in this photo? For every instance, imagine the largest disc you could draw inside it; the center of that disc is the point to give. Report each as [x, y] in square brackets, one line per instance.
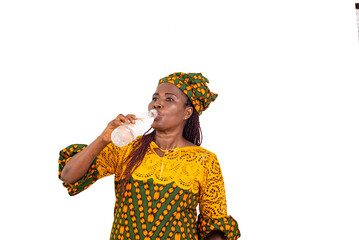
[118, 121]
[79, 164]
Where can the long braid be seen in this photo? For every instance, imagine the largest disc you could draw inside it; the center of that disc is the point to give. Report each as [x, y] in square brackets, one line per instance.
[192, 130]
[136, 156]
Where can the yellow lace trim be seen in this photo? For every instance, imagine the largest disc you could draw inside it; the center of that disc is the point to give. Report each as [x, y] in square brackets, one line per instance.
[184, 166]
[191, 168]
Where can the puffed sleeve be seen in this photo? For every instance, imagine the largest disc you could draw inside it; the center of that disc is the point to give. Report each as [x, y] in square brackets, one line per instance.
[213, 204]
[103, 165]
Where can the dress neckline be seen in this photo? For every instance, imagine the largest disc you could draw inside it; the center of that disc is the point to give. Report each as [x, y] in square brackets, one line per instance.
[153, 146]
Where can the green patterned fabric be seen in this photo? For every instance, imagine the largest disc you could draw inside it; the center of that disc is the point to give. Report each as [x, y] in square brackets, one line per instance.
[148, 210]
[84, 182]
[154, 211]
[194, 85]
[228, 225]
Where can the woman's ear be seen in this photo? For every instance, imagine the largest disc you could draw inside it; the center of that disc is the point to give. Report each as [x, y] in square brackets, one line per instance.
[188, 112]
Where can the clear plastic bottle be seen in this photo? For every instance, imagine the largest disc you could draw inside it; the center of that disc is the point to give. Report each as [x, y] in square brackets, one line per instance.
[125, 134]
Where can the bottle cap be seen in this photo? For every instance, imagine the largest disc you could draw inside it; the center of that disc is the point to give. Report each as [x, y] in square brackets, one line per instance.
[153, 113]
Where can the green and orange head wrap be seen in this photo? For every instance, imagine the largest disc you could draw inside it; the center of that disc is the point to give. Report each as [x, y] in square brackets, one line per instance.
[194, 85]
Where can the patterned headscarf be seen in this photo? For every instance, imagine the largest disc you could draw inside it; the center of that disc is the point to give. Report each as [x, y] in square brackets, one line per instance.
[194, 86]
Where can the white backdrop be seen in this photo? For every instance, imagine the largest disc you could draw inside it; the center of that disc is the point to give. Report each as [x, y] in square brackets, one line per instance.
[285, 124]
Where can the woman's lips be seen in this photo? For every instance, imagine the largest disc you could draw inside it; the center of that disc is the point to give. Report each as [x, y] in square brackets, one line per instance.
[158, 116]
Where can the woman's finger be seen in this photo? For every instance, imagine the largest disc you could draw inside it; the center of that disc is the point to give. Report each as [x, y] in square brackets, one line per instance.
[115, 123]
[119, 117]
[132, 118]
[123, 118]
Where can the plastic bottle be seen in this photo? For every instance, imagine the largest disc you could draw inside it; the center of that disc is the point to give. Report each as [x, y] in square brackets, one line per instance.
[125, 134]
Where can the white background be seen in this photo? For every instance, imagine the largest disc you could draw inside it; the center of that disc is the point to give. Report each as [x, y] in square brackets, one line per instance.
[285, 124]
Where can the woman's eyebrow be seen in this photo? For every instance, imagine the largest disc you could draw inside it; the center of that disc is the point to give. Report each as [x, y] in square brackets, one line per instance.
[157, 94]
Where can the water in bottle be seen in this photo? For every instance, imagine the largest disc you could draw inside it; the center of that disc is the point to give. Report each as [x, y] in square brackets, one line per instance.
[125, 134]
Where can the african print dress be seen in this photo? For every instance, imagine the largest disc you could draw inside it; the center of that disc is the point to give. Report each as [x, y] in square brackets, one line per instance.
[161, 196]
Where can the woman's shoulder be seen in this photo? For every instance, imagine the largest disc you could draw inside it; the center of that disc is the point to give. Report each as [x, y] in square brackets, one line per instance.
[199, 152]
[206, 151]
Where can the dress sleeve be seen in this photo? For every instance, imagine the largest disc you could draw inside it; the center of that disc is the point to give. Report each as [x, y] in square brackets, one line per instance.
[213, 204]
[103, 165]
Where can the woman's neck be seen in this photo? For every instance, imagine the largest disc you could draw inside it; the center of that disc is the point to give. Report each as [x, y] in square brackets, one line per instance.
[169, 140]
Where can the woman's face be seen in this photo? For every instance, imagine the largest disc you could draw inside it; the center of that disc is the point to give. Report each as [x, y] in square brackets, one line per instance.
[170, 103]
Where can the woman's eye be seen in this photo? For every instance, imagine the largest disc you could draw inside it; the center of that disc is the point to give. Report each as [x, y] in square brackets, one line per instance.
[169, 99]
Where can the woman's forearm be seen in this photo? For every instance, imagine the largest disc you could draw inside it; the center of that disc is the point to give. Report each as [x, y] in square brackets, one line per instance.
[79, 164]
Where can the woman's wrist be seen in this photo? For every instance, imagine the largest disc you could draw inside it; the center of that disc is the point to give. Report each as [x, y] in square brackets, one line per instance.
[102, 141]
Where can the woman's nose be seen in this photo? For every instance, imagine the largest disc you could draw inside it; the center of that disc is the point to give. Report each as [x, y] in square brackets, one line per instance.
[157, 105]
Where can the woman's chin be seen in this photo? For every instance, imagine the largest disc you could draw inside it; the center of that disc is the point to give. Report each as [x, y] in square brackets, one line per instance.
[157, 126]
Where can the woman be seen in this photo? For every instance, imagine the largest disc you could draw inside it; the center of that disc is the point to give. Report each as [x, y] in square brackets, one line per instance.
[161, 177]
